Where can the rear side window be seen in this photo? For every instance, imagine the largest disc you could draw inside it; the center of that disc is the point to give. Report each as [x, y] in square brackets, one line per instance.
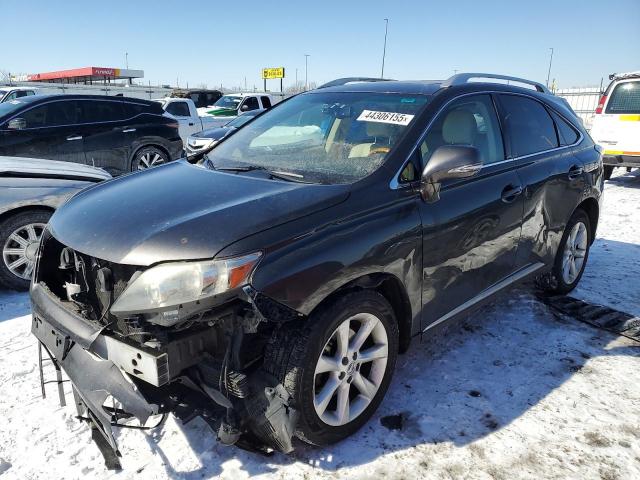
[179, 109]
[134, 109]
[266, 103]
[101, 111]
[625, 98]
[53, 114]
[528, 124]
[566, 133]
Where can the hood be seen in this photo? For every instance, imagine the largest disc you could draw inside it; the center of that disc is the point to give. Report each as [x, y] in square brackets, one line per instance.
[222, 112]
[181, 212]
[214, 133]
[34, 167]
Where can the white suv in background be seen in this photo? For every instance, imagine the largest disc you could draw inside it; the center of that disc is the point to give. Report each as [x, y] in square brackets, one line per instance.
[11, 93]
[616, 124]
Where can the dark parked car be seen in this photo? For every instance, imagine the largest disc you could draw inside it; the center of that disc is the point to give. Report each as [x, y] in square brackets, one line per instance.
[203, 141]
[30, 191]
[119, 134]
[272, 292]
[202, 98]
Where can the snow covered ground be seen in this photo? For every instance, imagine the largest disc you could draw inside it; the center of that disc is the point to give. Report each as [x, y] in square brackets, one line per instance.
[514, 393]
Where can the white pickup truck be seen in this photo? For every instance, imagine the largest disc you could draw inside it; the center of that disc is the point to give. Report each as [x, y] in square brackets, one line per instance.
[193, 120]
[234, 104]
[185, 111]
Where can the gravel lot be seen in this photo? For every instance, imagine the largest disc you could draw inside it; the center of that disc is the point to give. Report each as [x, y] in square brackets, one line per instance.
[513, 393]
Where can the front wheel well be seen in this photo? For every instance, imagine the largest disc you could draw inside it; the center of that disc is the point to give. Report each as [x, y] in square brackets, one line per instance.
[27, 208]
[390, 287]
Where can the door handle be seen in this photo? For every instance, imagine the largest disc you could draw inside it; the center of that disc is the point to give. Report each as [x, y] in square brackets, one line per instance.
[575, 171]
[191, 124]
[74, 137]
[510, 193]
[128, 130]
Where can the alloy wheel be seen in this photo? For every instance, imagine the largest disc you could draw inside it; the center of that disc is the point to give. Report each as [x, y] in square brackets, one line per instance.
[149, 159]
[20, 250]
[575, 250]
[350, 369]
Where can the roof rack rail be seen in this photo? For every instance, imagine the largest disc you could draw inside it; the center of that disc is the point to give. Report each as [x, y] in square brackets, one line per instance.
[462, 78]
[343, 81]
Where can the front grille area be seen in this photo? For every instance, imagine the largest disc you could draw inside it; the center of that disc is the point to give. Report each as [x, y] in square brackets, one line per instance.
[95, 284]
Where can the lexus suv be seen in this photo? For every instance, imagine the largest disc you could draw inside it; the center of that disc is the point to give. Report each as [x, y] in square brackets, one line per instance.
[118, 134]
[271, 289]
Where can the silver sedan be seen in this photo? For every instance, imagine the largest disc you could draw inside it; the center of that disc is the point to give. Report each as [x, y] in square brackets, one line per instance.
[30, 191]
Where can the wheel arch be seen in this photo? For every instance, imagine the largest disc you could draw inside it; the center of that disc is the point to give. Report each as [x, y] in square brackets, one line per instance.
[592, 209]
[25, 208]
[392, 289]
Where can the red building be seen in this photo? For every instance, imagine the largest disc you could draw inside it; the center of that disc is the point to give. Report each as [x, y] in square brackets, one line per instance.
[87, 75]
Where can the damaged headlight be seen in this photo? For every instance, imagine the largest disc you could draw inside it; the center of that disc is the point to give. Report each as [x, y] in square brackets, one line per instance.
[172, 284]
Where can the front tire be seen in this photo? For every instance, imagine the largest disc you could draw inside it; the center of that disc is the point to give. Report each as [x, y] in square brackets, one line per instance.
[19, 239]
[572, 255]
[148, 157]
[337, 366]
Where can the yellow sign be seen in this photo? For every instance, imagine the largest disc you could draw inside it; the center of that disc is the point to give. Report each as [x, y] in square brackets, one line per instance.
[269, 73]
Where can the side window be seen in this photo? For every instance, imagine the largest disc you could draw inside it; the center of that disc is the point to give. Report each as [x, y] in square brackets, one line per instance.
[198, 99]
[470, 120]
[101, 111]
[567, 134]
[250, 103]
[11, 96]
[266, 103]
[53, 114]
[528, 125]
[179, 109]
[133, 109]
[30, 92]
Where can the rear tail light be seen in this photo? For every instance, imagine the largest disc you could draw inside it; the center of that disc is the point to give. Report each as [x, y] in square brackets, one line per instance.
[601, 103]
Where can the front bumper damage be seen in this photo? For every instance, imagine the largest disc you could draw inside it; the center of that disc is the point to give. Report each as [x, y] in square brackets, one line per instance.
[114, 381]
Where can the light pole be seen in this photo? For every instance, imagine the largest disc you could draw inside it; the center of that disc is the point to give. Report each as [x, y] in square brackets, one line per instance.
[306, 72]
[384, 48]
[126, 59]
[296, 80]
[549, 72]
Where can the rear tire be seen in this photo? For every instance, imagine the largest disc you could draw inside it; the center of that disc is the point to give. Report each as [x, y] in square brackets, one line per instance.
[19, 239]
[335, 392]
[608, 171]
[148, 157]
[573, 253]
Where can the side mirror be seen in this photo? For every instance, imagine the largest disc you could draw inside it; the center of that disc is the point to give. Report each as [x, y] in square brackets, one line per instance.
[449, 161]
[17, 124]
[244, 108]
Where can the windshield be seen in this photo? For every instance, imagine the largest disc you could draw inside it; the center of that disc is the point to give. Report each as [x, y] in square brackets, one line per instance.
[228, 101]
[325, 137]
[239, 121]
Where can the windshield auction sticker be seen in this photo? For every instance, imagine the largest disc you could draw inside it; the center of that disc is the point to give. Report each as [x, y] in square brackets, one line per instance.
[385, 117]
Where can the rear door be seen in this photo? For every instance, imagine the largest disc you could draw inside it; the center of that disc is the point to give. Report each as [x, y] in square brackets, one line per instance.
[617, 129]
[471, 234]
[102, 131]
[52, 131]
[552, 176]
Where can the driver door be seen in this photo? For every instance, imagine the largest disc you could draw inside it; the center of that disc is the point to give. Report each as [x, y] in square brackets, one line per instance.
[471, 234]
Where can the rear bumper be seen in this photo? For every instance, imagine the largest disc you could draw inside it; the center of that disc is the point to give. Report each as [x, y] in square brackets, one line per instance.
[632, 161]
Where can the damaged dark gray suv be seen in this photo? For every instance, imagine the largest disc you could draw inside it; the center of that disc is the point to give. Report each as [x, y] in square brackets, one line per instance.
[270, 289]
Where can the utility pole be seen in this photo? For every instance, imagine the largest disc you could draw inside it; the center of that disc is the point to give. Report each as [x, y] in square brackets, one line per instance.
[550, 61]
[296, 80]
[126, 59]
[384, 48]
[306, 71]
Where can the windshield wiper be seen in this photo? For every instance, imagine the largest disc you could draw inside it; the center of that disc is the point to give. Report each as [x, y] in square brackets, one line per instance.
[279, 174]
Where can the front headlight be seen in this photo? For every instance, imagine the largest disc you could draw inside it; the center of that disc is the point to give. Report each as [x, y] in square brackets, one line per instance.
[173, 284]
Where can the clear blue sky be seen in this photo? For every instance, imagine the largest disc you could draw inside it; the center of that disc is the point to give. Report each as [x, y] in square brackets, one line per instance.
[222, 42]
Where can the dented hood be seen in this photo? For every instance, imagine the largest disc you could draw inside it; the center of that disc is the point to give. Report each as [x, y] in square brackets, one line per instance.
[181, 212]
